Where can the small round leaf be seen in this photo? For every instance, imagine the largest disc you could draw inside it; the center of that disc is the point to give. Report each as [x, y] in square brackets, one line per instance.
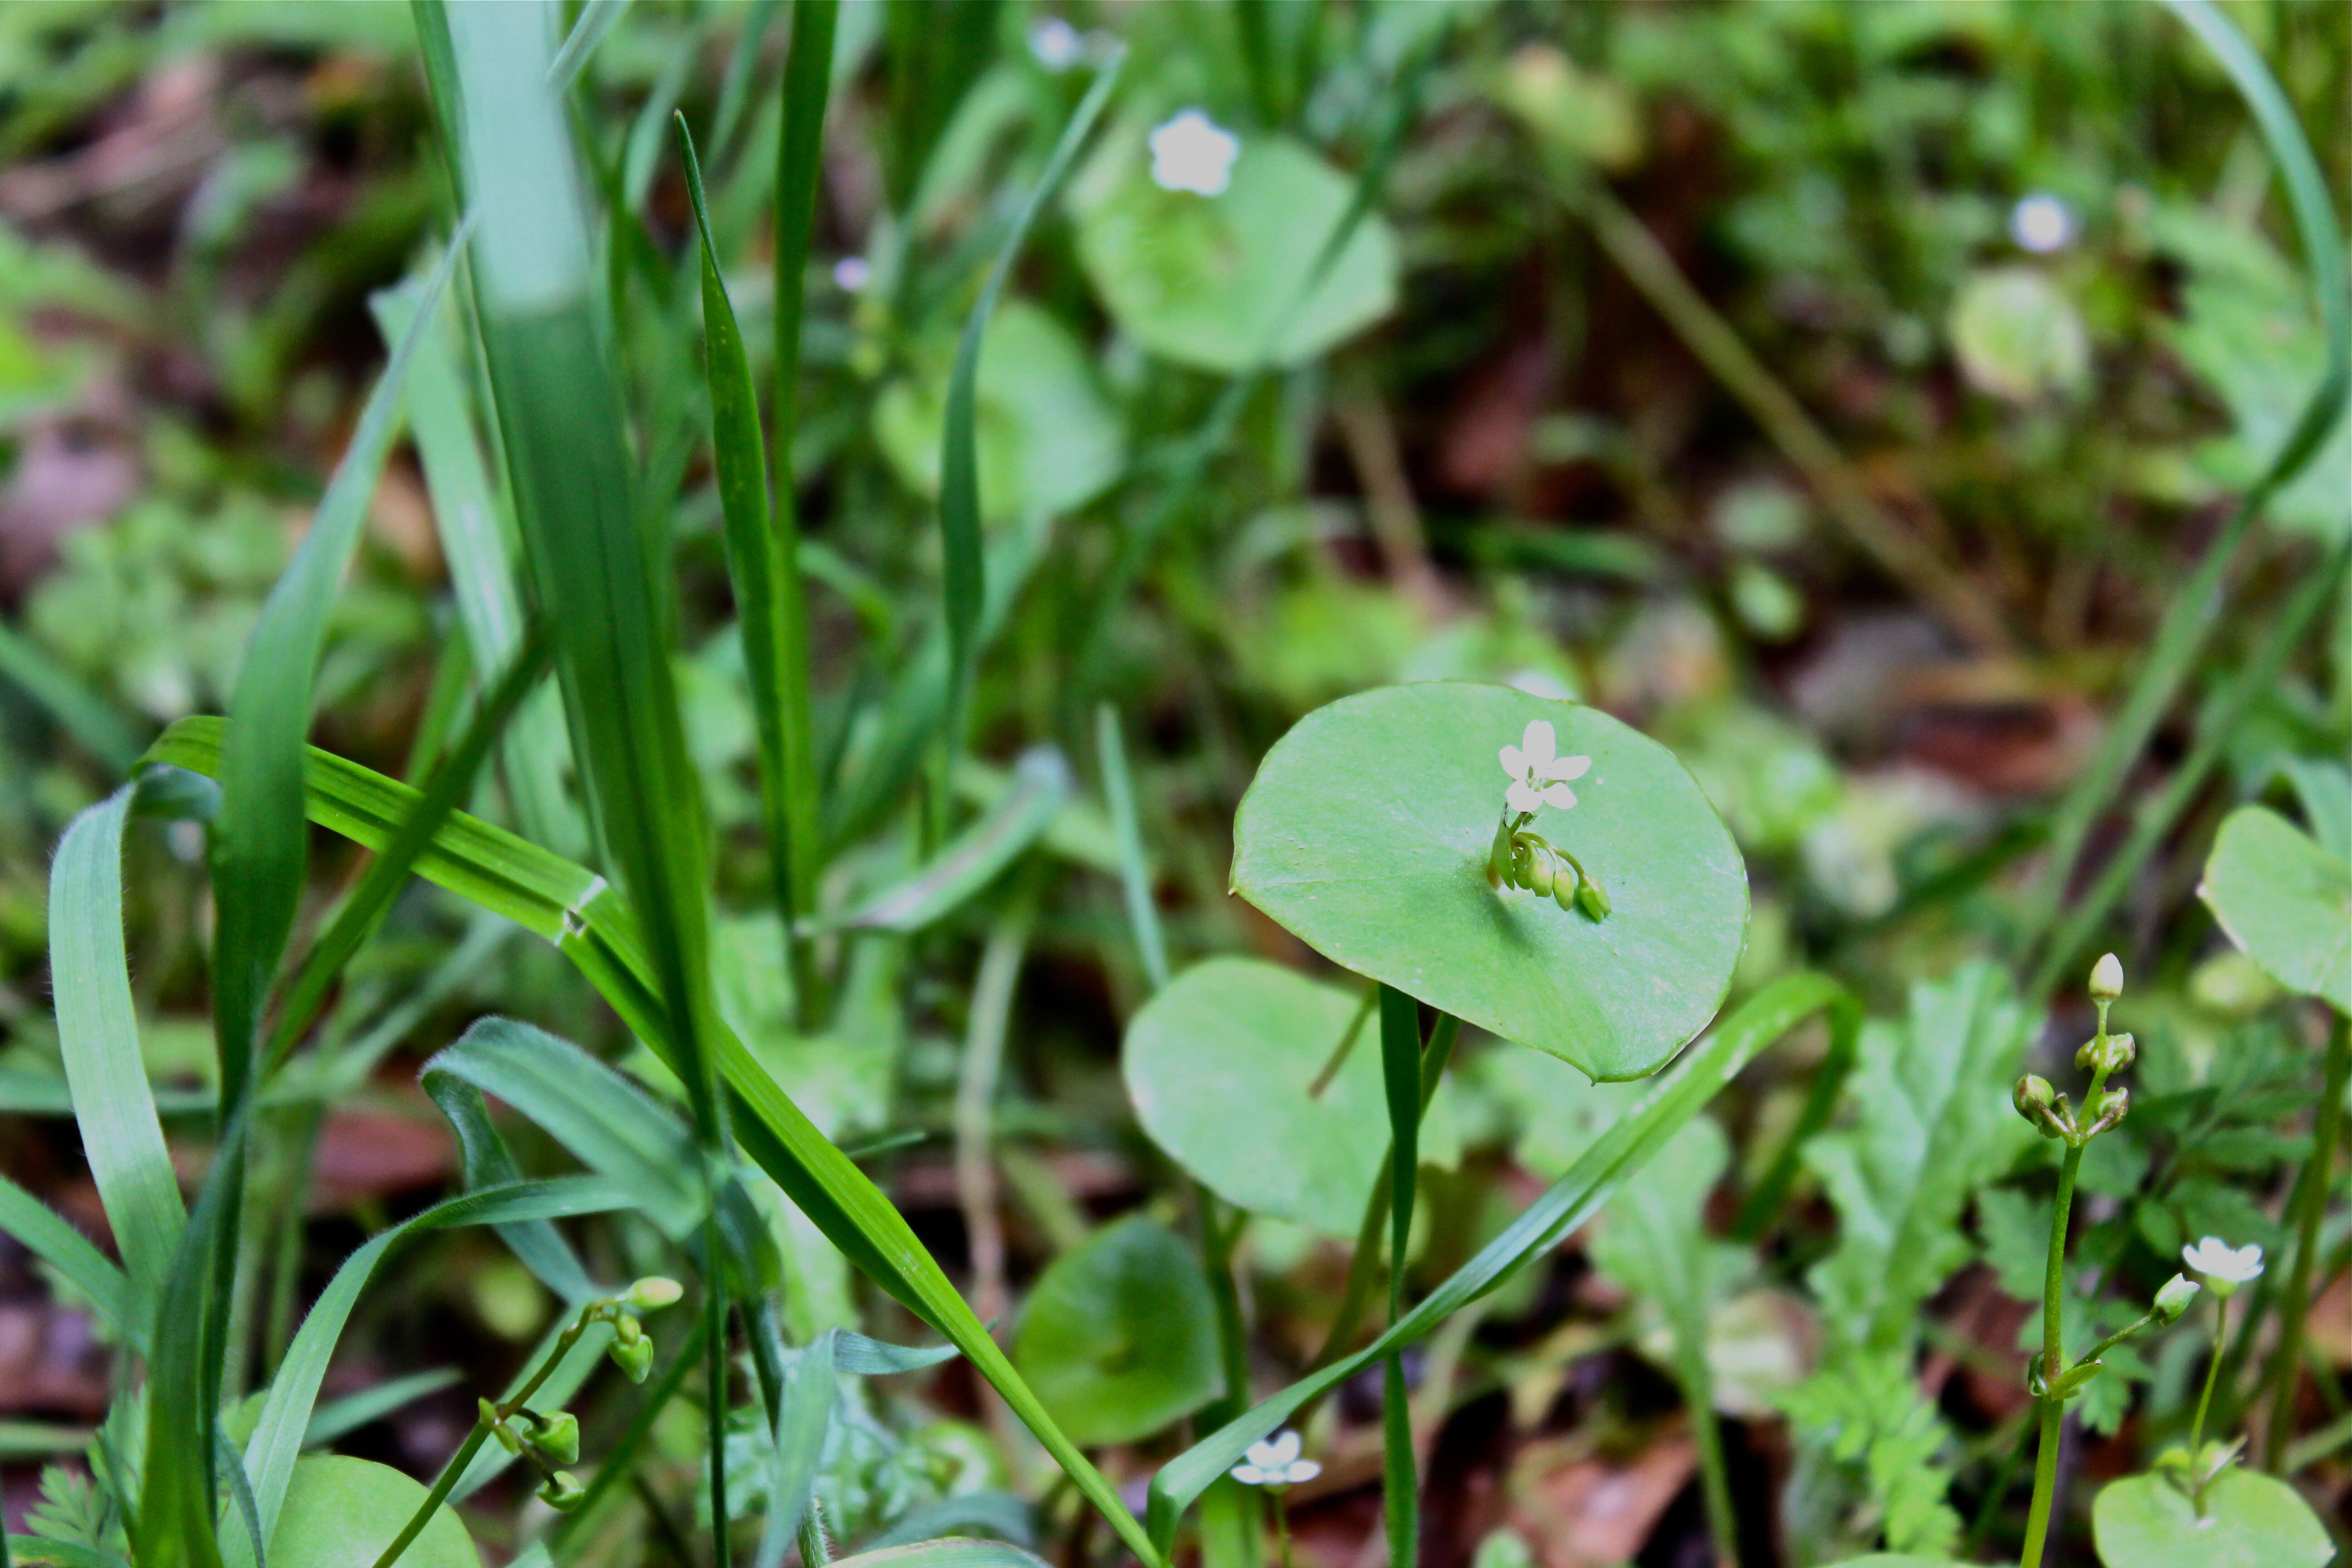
[1119, 1336]
[1367, 830]
[2250, 1521]
[341, 1513]
[2286, 900]
[1219, 1065]
[1222, 282]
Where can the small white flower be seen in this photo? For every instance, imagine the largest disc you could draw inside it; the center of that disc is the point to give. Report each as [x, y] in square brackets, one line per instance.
[1056, 44]
[2223, 1264]
[1193, 152]
[1540, 776]
[1275, 1463]
[2041, 223]
[850, 274]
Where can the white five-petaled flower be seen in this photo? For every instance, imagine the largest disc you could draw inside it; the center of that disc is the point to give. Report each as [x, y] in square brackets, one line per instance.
[1193, 152]
[1538, 776]
[2223, 1264]
[1275, 1463]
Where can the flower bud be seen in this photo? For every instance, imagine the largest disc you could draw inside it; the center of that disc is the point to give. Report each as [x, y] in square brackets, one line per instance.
[1523, 863]
[653, 1292]
[2032, 1098]
[562, 1492]
[627, 1329]
[498, 1428]
[1540, 874]
[635, 1358]
[1593, 899]
[2107, 978]
[557, 1437]
[2173, 1300]
[1565, 885]
[2106, 1110]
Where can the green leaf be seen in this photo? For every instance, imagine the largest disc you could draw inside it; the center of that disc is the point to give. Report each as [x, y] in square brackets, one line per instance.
[1567, 1203]
[1220, 1065]
[1119, 1336]
[1229, 282]
[764, 569]
[43, 1233]
[1367, 831]
[949, 1552]
[536, 1244]
[89, 718]
[2255, 1522]
[1134, 867]
[1932, 1122]
[2286, 900]
[342, 1512]
[804, 1415]
[974, 858]
[1864, 1409]
[97, 1037]
[338, 1417]
[1049, 441]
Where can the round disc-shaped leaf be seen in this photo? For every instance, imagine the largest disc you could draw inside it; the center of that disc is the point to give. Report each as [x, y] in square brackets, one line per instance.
[1221, 281]
[341, 1513]
[1220, 1064]
[1367, 830]
[2286, 900]
[1119, 1336]
[2250, 1521]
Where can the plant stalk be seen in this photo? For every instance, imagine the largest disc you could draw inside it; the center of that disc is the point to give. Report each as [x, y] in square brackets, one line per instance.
[2053, 1352]
[2326, 1129]
[2205, 1403]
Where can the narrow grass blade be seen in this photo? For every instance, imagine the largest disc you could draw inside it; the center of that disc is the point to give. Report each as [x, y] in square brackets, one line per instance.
[590, 924]
[854, 1352]
[606, 594]
[613, 1127]
[278, 1435]
[42, 1232]
[2195, 612]
[259, 849]
[1401, 1077]
[1134, 870]
[960, 534]
[368, 902]
[93, 722]
[338, 1417]
[1679, 1092]
[595, 20]
[950, 1552]
[769, 606]
[803, 1415]
[974, 858]
[97, 1035]
[536, 1244]
[470, 520]
[1002, 1512]
[808, 79]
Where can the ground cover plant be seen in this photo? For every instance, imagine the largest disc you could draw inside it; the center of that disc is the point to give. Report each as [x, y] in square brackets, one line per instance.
[958, 784]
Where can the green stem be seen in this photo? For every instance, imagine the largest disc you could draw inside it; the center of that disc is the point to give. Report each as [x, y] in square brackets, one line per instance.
[714, 1350]
[1282, 1521]
[2053, 1352]
[2204, 1402]
[1715, 1475]
[2327, 1127]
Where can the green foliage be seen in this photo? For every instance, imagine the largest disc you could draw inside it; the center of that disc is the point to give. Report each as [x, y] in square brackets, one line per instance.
[2255, 1521]
[1367, 833]
[1864, 1408]
[341, 1513]
[1119, 1336]
[2285, 900]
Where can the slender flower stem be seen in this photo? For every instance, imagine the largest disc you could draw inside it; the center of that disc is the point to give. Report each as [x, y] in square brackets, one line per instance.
[2204, 1402]
[1281, 1522]
[2054, 1353]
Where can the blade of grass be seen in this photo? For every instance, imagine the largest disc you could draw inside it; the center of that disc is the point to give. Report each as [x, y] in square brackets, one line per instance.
[978, 855]
[588, 30]
[539, 1245]
[1135, 871]
[42, 1232]
[339, 1417]
[589, 922]
[2195, 612]
[960, 534]
[93, 722]
[97, 1035]
[1678, 1094]
[1401, 1076]
[764, 569]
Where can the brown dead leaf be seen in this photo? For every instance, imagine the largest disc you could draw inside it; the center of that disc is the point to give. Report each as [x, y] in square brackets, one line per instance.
[1589, 1512]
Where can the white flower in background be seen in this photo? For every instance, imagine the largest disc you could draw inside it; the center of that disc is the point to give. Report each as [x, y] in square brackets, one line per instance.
[2041, 223]
[1538, 776]
[1056, 44]
[1193, 152]
[850, 274]
[2225, 1266]
[1275, 1463]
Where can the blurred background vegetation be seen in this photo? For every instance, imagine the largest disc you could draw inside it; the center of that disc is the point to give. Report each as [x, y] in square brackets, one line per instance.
[1839, 392]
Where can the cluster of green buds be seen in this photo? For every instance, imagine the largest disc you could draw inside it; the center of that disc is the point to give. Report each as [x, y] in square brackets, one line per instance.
[2052, 1113]
[1524, 858]
[549, 1441]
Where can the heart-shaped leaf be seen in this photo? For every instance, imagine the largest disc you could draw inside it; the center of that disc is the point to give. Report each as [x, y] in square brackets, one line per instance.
[2250, 1521]
[341, 1513]
[1367, 833]
[2286, 900]
[1221, 1065]
[1120, 1337]
[1223, 281]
